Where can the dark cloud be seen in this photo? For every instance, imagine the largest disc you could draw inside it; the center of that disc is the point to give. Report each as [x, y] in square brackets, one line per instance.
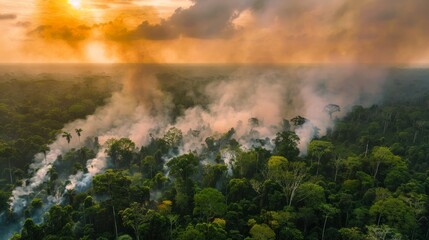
[204, 19]
[7, 16]
[162, 31]
[207, 19]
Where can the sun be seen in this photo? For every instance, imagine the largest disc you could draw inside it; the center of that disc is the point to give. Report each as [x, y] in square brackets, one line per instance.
[75, 3]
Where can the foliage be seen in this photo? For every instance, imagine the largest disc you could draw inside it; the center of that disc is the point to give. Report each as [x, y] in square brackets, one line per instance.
[286, 145]
[121, 151]
[371, 179]
[209, 203]
[262, 232]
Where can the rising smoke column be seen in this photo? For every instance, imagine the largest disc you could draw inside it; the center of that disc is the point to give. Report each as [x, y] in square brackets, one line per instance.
[267, 94]
[127, 114]
[344, 85]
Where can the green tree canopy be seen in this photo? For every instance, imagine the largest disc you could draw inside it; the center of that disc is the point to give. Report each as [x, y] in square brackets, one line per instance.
[209, 203]
[121, 151]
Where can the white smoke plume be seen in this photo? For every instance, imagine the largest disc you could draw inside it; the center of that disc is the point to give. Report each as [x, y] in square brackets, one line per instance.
[345, 86]
[81, 181]
[40, 167]
[141, 110]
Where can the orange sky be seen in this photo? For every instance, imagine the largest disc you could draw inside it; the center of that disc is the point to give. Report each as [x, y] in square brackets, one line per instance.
[215, 31]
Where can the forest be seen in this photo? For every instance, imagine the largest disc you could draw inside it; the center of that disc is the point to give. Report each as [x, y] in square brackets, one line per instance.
[366, 178]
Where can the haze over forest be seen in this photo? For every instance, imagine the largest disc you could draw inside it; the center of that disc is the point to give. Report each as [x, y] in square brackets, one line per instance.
[214, 119]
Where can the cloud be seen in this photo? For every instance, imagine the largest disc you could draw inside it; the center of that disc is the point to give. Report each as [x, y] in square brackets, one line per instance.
[68, 34]
[143, 108]
[256, 31]
[379, 31]
[334, 31]
[204, 19]
[7, 16]
[162, 31]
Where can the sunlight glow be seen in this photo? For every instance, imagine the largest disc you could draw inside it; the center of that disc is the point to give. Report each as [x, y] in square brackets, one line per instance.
[75, 3]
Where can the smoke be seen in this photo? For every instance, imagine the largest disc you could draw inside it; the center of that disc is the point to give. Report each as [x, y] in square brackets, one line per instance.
[40, 169]
[247, 94]
[130, 113]
[255, 31]
[81, 181]
[267, 95]
[345, 86]
[254, 100]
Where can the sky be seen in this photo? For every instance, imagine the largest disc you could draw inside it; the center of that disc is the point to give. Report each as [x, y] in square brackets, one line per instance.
[214, 31]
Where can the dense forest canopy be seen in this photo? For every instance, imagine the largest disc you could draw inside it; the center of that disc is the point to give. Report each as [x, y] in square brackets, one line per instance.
[363, 177]
[214, 119]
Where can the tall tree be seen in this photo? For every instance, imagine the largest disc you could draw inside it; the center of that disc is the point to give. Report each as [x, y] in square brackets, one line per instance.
[382, 155]
[331, 108]
[328, 211]
[286, 144]
[214, 175]
[174, 138]
[298, 121]
[289, 175]
[394, 212]
[121, 151]
[134, 217]
[78, 132]
[246, 164]
[182, 169]
[67, 136]
[116, 185]
[209, 203]
[319, 149]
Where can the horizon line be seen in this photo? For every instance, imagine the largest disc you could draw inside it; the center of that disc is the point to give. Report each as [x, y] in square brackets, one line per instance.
[422, 65]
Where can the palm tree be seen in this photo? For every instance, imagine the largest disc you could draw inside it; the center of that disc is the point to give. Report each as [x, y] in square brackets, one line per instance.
[78, 131]
[67, 136]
